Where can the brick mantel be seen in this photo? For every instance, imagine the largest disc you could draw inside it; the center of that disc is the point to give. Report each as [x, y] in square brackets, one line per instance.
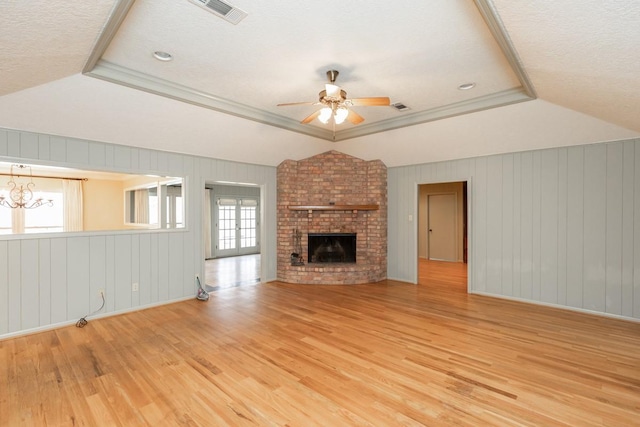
[333, 193]
[334, 208]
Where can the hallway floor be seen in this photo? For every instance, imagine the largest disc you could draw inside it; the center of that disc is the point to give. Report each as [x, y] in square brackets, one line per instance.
[221, 273]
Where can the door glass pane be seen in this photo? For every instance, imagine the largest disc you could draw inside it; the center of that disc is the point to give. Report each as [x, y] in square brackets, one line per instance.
[247, 226]
[226, 227]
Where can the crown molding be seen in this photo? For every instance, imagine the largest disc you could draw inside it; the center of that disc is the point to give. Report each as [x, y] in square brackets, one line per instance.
[500, 35]
[99, 68]
[498, 99]
[116, 17]
[137, 80]
[141, 81]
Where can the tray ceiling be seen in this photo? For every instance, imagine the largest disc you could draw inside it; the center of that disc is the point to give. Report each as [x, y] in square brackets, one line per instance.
[279, 53]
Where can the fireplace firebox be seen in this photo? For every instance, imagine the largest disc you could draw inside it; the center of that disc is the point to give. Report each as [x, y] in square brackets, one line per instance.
[331, 247]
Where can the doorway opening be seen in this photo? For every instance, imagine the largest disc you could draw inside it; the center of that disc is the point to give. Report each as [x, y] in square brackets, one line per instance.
[442, 223]
[231, 235]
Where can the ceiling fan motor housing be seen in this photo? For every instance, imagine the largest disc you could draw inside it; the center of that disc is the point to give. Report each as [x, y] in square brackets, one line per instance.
[329, 99]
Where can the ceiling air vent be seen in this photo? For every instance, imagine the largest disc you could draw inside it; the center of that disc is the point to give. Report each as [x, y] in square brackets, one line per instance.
[400, 106]
[222, 9]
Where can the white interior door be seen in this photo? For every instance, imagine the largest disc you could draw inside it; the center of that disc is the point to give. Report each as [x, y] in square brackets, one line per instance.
[441, 233]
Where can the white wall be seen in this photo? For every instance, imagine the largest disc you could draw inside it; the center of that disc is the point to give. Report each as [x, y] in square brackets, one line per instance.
[54, 279]
[558, 226]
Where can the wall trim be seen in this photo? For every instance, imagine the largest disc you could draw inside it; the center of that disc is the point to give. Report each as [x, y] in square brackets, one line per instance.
[540, 303]
[556, 306]
[66, 323]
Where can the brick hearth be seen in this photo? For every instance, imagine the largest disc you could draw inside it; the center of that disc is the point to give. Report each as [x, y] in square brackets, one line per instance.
[333, 180]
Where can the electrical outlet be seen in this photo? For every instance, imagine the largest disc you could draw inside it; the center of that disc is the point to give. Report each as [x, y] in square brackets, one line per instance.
[101, 293]
[134, 287]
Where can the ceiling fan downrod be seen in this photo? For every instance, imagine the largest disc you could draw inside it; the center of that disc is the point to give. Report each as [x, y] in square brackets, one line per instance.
[332, 75]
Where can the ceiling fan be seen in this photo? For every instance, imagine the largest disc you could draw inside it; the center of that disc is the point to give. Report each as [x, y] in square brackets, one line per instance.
[336, 104]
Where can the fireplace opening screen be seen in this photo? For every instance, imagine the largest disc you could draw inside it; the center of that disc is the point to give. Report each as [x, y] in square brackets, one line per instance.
[332, 247]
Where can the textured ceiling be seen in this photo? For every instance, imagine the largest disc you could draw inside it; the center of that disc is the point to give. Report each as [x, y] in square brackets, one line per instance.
[580, 58]
[581, 55]
[42, 41]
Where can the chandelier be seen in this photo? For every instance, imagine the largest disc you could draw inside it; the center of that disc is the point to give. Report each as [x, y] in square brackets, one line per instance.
[21, 195]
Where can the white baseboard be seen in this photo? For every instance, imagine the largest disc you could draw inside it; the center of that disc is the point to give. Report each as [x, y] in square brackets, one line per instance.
[562, 307]
[93, 317]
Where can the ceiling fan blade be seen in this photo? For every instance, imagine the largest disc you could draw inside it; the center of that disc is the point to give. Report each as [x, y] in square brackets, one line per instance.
[354, 118]
[310, 118]
[288, 104]
[377, 101]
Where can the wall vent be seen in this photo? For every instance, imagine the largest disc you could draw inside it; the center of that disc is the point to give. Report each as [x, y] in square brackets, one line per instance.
[400, 106]
[222, 9]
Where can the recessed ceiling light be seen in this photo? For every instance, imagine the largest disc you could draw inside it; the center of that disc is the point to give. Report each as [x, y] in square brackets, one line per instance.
[162, 56]
[467, 86]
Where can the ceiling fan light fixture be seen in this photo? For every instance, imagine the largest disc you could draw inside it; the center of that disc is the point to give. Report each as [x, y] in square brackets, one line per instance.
[341, 115]
[333, 91]
[336, 104]
[325, 115]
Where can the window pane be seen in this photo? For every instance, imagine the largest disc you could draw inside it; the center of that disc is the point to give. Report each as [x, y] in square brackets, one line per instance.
[179, 213]
[45, 218]
[153, 209]
[5, 220]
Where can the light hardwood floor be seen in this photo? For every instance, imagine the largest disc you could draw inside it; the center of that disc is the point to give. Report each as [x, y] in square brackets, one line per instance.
[383, 354]
[228, 272]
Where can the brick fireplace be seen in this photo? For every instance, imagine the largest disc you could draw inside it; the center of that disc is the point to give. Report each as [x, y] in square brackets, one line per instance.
[332, 194]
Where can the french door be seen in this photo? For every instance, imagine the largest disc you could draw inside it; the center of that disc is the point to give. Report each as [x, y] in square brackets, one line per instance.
[237, 226]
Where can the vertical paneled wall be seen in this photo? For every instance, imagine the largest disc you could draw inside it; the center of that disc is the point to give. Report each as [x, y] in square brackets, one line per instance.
[53, 280]
[558, 226]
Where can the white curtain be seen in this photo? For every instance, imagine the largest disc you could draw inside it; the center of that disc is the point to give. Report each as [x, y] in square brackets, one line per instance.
[141, 206]
[207, 224]
[72, 211]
